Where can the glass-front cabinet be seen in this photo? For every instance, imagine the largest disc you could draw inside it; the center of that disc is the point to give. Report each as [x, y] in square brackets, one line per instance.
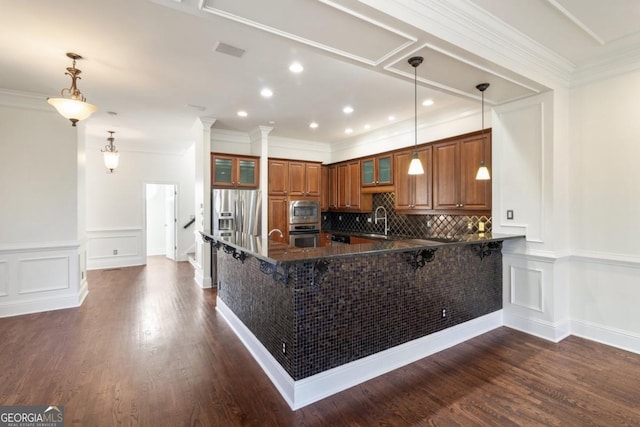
[228, 171]
[377, 171]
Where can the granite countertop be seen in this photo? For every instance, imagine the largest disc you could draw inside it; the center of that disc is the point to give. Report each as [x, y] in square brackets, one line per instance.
[276, 253]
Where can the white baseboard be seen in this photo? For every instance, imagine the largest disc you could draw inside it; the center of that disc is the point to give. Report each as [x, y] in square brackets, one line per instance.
[203, 281]
[18, 308]
[606, 335]
[300, 393]
[554, 332]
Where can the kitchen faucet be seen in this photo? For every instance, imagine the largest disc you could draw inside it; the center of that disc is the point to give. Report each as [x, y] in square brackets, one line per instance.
[375, 218]
[274, 231]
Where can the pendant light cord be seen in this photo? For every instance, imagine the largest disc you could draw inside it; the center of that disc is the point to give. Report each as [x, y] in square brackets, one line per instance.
[415, 109]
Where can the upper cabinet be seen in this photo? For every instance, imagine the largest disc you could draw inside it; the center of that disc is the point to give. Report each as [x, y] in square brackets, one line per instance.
[455, 164]
[294, 178]
[324, 189]
[413, 192]
[229, 171]
[377, 171]
[350, 197]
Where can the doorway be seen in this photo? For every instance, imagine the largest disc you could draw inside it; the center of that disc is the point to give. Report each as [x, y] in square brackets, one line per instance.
[161, 219]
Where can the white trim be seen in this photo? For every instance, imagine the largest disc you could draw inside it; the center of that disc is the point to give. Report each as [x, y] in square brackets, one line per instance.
[607, 258]
[577, 22]
[303, 392]
[606, 335]
[204, 6]
[35, 247]
[551, 331]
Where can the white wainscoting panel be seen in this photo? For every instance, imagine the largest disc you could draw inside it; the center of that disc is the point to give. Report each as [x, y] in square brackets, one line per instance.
[526, 287]
[43, 274]
[41, 278]
[536, 294]
[605, 291]
[112, 248]
[4, 278]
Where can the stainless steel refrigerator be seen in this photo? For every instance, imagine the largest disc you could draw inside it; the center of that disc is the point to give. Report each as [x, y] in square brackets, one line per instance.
[232, 212]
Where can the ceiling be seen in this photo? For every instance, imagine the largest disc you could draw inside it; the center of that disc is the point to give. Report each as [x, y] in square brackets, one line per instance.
[154, 62]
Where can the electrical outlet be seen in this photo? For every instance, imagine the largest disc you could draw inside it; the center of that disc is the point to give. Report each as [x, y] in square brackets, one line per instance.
[429, 223]
[340, 218]
[369, 220]
[357, 219]
[444, 313]
[284, 347]
[510, 214]
[115, 252]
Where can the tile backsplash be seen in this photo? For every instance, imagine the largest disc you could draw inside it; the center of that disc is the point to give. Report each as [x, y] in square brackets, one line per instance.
[416, 226]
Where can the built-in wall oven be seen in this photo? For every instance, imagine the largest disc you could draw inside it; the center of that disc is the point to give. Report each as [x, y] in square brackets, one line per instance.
[304, 235]
[304, 223]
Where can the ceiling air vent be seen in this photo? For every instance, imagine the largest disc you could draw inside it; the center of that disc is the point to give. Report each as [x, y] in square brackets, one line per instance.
[227, 49]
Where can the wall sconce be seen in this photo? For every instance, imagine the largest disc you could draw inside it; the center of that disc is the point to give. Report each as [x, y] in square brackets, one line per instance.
[483, 171]
[110, 153]
[73, 107]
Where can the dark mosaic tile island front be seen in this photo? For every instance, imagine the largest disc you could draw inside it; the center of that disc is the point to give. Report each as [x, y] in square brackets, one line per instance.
[329, 311]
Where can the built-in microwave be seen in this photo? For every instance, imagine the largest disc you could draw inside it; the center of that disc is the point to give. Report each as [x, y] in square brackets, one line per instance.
[304, 212]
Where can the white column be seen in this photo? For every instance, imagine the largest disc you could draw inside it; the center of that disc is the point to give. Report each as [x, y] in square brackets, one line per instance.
[260, 147]
[202, 153]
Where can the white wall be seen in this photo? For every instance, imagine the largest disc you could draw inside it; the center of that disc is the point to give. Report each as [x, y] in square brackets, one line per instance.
[605, 151]
[41, 247]
[115, 203]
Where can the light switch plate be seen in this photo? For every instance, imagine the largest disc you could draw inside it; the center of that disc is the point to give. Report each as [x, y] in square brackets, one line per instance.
[510, 214]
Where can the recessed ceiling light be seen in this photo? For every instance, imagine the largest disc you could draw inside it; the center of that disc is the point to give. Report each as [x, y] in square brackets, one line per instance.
[242, 113]
[367, 126]
[391, 118]
[313, 125]
[427, 102]
[347, 109]
[296, 67]
[266, 92]
[348, 130]
[272, 122]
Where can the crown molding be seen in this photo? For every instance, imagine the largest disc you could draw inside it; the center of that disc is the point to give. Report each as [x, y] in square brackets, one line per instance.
[607, 66]
[464, 24]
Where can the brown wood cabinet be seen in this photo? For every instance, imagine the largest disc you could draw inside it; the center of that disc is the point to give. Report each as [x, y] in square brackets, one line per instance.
[455, 164]
[278, 218]
[230, 171]
[325, 240]
[294, 178]
[377, 171]
[324, 188]
[333, 187]
[413, 192]
[350, 197]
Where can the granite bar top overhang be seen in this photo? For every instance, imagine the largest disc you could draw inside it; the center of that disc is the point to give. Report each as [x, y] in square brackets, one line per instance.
[279, 253]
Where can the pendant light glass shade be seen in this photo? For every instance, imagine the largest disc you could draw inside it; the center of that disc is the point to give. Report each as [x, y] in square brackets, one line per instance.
[483, 171]
[74, 107]
[415, 167]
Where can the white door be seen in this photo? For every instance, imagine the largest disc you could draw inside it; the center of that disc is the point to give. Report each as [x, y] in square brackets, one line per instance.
[171, 221]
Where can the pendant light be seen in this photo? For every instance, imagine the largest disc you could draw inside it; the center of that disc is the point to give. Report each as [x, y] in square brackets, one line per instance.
[110, 153]
[483, 171]
[415, 167]
[73, 107]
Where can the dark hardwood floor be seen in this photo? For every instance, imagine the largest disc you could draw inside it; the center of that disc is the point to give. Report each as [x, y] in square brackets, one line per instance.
[148, 348]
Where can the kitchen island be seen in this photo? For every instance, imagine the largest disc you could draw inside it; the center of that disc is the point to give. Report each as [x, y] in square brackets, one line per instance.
[320, 320]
